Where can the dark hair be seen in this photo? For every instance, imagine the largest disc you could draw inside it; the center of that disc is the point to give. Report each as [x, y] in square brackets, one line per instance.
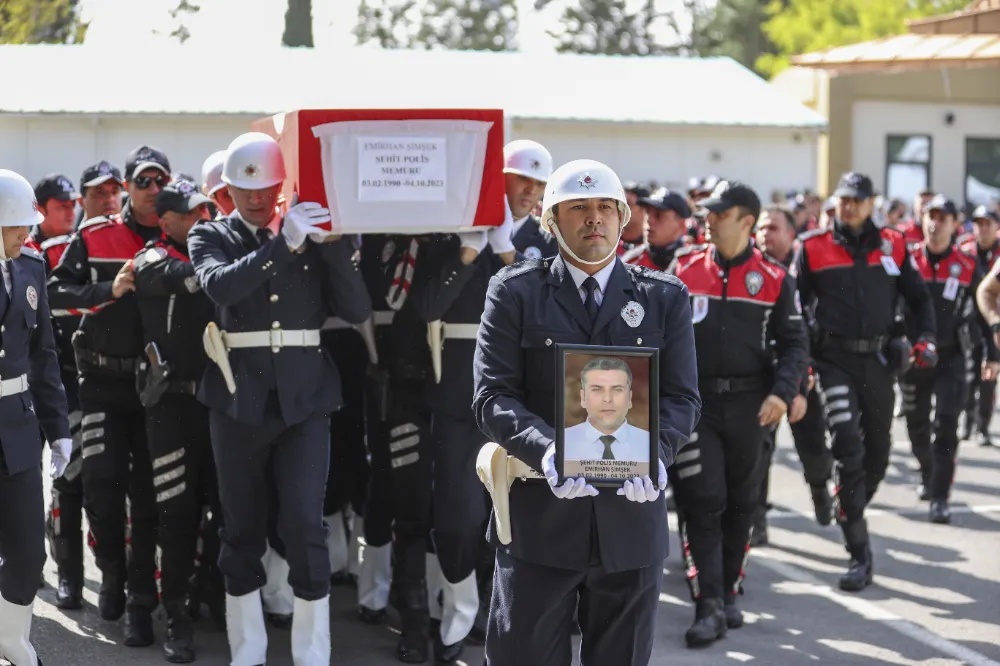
[605, 363]
[784, 211]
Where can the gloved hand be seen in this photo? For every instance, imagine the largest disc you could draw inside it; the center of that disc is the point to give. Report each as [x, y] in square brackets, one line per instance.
[643, 490]
[571, 488]
[61, 451]
[499, 237]
[474, 240]
[301, 220]
[925, 353]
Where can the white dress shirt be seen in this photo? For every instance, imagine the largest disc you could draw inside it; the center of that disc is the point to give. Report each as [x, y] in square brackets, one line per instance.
[517, 225]
[602, 276]
[583, 442]
[5, 268]
[274, 225]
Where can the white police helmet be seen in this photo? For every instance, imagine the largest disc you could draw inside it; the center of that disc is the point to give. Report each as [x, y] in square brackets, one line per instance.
[582, 179]
[18, 206]
[211, 173]
[253, 162]
[527, 158]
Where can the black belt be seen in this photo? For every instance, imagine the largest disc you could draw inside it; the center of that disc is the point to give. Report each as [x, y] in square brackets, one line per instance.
[189, 387]
[719, 385]
[856, 345]
[111, 363]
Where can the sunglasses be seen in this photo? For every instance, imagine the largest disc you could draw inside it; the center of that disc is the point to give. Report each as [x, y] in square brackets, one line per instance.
[143, 182]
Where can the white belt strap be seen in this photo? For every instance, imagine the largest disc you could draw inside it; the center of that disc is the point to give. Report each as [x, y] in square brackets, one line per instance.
[13, 386]
[275, 338]
[460, 331]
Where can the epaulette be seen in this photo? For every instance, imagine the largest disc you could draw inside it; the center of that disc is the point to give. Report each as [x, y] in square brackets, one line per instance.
[642, 271]
[151, 254]
[814, 233]
[27, 251]
[690, 249]
[96, 222]
[56, 240]
[522, 267]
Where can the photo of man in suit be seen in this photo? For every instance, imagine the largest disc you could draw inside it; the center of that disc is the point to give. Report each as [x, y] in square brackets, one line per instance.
[606, 396]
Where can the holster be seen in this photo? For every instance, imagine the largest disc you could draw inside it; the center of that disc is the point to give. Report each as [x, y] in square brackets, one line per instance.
[497, 471]
[152, 376]
[218, 353]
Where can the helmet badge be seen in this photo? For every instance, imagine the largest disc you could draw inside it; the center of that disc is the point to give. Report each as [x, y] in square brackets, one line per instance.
[587, 181]
[250, 170]
[535, 165]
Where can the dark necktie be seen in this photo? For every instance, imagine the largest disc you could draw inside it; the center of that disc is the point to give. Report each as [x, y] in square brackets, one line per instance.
[4, 296]
[608, 440]
[590, 284]
[263, 235]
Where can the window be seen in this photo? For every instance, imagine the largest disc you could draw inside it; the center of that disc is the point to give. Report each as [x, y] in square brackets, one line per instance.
[907, 166]
[982, 171]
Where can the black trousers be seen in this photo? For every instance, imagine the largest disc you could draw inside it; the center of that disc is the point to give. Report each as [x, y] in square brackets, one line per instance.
[299, 455]
[981, 395]
[717, 478]
[347, 483]
[180, 446]
[22, 533]
[857, 390]
[935, 443]
[460, 503]
[64, 520]
[531, 614]
[116, 464]
[810, 442]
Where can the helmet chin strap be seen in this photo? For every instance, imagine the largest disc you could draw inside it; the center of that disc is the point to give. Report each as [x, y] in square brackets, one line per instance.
[554, 228]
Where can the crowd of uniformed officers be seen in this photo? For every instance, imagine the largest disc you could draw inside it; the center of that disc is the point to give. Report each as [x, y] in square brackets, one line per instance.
[249, 406]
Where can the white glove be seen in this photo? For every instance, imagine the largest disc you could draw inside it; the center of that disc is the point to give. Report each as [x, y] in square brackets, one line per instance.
[475, 240]
[301, 220]
[499, 237]
[572, 488]
[643, 490]
[61, 451]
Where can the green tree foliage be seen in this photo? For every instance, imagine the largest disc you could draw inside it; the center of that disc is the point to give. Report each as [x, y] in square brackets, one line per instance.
[469, 25]
[606, 26]
[802, 26]
[298, 24]
[41, 22]
[391, 24]
[180, 31]
[733, 28]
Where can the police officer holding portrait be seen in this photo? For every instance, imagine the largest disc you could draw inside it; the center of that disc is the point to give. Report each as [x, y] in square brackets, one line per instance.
[560, 542]
[32, 401]
[526, 167]
[851, 277]
[271, 388]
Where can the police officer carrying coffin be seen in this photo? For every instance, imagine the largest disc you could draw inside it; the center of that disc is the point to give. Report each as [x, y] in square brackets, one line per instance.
[527, 165]
[95, 276]
[985, 246]
[743, 303]
[31, 395]
[561, 542]
[174, 314]
[274, 282]
[851, 275]
[952, 278]
[212, 184]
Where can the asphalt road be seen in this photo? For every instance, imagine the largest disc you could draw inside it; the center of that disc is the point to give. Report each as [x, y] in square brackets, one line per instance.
[935, 602]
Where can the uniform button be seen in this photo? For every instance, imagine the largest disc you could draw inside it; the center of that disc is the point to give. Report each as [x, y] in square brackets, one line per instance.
[275, 324]
[3, 329]
[274, 298]
[305, 267]
[548, 342]
[638, 341]
[275, 350]
[3, 353]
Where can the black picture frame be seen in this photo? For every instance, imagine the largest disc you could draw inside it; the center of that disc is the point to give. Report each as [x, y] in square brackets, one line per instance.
[652, 358]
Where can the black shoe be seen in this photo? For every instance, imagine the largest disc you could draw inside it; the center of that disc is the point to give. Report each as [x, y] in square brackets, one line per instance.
[279, 621]
[179, 646]
[759, 535]
[940, 513]
[966, 430]
[111, 600]
[860, 573]
[412, 649]
[734, 616]
[822, 504]
[447, 654]
[69, 596]
[984, 439]
[370, 615]
[923, 493]
[709, 623]
[138, 627]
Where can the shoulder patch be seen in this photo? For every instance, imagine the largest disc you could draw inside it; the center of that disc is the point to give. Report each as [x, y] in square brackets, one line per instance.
[642, 271]
[28, 251]
[815, 233]
[520, 268]
[149, 255]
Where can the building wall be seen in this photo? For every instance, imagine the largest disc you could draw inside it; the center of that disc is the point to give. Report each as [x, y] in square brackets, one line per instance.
[767, 159]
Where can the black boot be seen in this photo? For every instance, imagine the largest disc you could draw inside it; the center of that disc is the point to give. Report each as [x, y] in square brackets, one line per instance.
[69, 594]
[709, 623]
[447, 654]
[179, 646]
[409, 593]
[759, 535]
[138, 626]
[940, 513]
[734, 616]
[984, 439]
[822, 504]
[861, 571]
[111, 598]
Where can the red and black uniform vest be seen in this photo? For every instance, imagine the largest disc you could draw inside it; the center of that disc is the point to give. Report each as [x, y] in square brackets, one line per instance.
[64, 322]
[657, 258]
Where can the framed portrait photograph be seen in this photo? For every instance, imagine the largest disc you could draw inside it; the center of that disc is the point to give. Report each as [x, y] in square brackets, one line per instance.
[607, 413]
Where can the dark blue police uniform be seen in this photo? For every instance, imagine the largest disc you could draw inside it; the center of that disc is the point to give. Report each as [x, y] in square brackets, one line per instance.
[279, 413]
[604, 550]
[31, 395]
[534, 243]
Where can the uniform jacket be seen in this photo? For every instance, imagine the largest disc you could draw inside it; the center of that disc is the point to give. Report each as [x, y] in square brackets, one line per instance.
[27, 347]
[852, 284]
[745, 310]
[534, 243]
[64, 322]
[268, 287]
[173, 308]
[445, 289]
[657, 258]
[532, 306]
[986, 258]
[952, 279]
